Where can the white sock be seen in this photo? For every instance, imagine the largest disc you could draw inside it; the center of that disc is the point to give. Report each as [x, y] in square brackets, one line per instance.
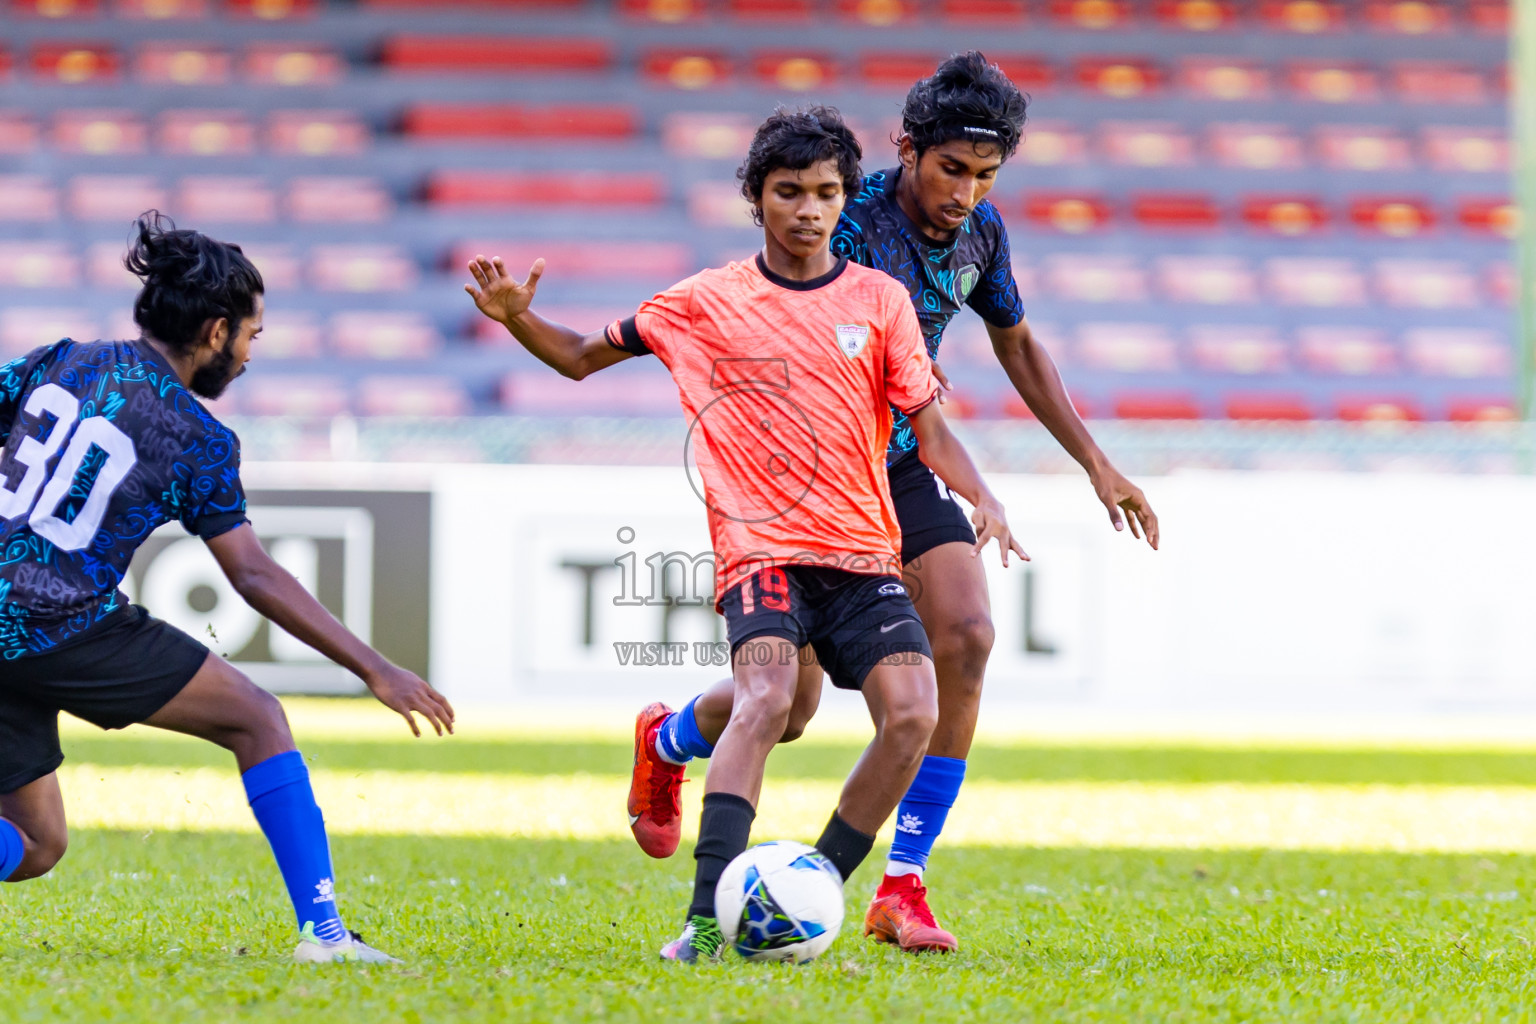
[893, 868]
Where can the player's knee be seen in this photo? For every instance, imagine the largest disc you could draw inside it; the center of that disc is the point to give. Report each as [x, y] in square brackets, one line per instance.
[965, 646]
[43, 852]
[909, 722]
[765, 713]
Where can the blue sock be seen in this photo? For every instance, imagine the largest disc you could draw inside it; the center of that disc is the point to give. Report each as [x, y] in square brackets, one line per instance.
[679, 740]
[920, 818]
[12, 849]
[285, 808]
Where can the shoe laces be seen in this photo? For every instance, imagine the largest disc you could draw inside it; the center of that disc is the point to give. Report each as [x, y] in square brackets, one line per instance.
[707, 937]
[915, 900]
[666, 789]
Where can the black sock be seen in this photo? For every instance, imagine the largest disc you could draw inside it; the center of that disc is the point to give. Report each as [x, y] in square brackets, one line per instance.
[845, 846]
[724, 829]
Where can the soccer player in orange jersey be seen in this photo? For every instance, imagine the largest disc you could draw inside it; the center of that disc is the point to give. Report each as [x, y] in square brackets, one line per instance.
[788, 366]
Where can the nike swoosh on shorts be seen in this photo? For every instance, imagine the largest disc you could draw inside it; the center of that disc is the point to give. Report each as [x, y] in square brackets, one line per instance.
[892, 625]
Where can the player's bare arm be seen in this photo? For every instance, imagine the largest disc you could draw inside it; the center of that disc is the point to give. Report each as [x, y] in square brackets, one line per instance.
[1034, 375]
[508, 301]
[272, 591]
[942, 452]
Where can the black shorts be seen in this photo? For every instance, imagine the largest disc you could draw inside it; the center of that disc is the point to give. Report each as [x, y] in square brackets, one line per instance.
[120, 672]
[853, 621]
[928, 514]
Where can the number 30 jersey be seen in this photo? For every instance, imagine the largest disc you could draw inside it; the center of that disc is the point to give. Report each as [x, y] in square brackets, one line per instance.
[103, 445]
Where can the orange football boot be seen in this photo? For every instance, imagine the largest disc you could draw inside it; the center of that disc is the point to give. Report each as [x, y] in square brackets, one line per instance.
[654, 813]
[899, 913]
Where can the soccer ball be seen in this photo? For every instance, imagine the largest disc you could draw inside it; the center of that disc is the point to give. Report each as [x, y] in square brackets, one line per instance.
[780, 901]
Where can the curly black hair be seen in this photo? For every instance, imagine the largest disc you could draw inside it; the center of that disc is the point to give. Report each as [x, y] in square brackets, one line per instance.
[189, 279]
[966, 98]
[796, 139]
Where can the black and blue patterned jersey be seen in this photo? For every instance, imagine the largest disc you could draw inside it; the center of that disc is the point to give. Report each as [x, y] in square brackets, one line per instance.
[103, 445]
[973, 269]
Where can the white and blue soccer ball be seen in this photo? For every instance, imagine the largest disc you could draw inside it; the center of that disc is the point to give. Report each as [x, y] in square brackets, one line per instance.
[780, 901]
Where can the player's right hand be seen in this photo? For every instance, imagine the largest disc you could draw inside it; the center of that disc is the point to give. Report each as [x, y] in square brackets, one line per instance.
[990, 521]
[498, 295]
[404, 692]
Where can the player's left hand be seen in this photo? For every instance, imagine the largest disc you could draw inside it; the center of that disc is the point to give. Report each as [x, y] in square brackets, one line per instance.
[404, 692]
[991, 521]
[1117, 493]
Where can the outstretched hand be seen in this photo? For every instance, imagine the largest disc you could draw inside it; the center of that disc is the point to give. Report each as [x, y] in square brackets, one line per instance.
[1119, 496]
[990, 521]
[498, 295]
[405, 692]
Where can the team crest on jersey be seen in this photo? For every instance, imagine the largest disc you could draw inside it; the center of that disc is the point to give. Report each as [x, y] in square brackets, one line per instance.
[966, 280]
[852, 338]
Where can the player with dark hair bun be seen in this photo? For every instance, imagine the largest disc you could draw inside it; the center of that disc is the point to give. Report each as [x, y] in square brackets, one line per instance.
[104, 442]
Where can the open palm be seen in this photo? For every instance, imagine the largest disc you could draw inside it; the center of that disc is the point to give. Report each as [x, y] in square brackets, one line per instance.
[497, 294]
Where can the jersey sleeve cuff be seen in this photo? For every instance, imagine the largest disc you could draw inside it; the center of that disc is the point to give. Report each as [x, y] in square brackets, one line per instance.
[934, 397]
[625, 334]
[213, 526]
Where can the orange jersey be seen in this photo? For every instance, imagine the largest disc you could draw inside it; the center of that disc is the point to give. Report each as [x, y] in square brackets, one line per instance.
[788, 386]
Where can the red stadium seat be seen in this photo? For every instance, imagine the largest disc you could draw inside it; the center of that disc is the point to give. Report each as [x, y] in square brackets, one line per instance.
[384, 335]
[879, 13]
[718, 204]
[722, 136]
[1458, 352]
[187, 64]
[294, 395]
[1175, 210]
[1207, 280]
[1071, 213]
[75, 64]
[491, 188]
[316, 133]
[27, 197]
[1146, 144]
[1239, 349]
[796, 71]
[1482, 410]
[60, 9]
[1267, 407]
[279, 266]
[37, 265]
[113, 197]
[1398, 217]
[288, 335]
[1455, 148]
[104, 268]
[1438, 82]
[1408, 17]
[1053, 144]
[1489, 16]
[1332, 82]
[293, 64]
[1489, 216]
[415, 395]
[686, 69]
[1196, 15]
[1156, 406]
[507, 5]
[160, 10]
[1222, 78]
[1379, 410]
[338, 199]
[895, 70]
[1363, 148]
[517, 121]
[1426, 284]
[1091, 14]
[567, 260]
[271, 10]
[206, 133]
[1314, 281]
[1256, 147]
[770, 10]
[665, 11]
[990, 12]
[1081, 277]
[1126, 348]
[18, 133]
[542, 391]
[362, 268]
[1501, 282]
[1285, 215]
[1118, 78]
[503, 55]
[226, 200]
[24, 328]
[1347, 351]
[99, 132]
[1305, 16]
[1015, 407]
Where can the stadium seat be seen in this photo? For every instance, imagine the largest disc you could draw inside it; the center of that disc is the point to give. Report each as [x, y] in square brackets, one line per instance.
[1014, 407]
[1426, 284]
[1090, 14]
[1156, 406]
[520, 6]
[293, 64]
[362, 268]
[989, 12]
[665, 11]
[895, 70]
[1458, 352]
[1436, 82]
[1500, 279]
[283, 394]
[288, 335]
[1285, 215]
[104, 268]
[183, 64]
[99, 132]
[544, 392]
[722, 136]
[336, 199]
[414, 395]
[686, 69]
[271, 10]
[1457, 148]
[384, 335]
[1146, 144]
[1220, 78]
[1267, 407]
[1314, 281]
[1362, 148]
[161, 10]
[1400, 217]
[794, 70]
[1234, 348]
[1309, 17]
[718, 204]
[1196, 15]
[1094, 278]
[1489, 16]
[1346, 351]
[27, 197]
[280, 267]
[770, 10]
[205, 133]
[1053, 144]
[1126, 348]
[1117, 78]
[75, 64]
[1408, 17]
[59, 9]
[18, 132]
[1379, 409]
[1333, 82]
[226, 200]
[37, 265]
[503, 55]
[1175, 210]
[519, 121]
[601, 261]
[1493, 217]
[1069, 213]
[879, 13]
[316, 133]
[1208, 280]
[584, 189]
[1481, 410]
[1256, 147]
[113, 197]
[24, 328]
